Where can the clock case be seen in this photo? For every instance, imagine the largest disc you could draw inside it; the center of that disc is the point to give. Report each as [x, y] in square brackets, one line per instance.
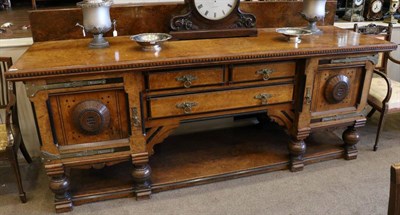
[369, 13]
[353, 12]
[190, 24]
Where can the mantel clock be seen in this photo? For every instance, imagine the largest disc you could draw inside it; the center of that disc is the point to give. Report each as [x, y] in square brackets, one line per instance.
[354, 10]
[212, 19]
[374, 10]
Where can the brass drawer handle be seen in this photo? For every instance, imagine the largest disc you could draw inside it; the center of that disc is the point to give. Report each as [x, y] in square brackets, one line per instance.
[186, 106]
[187, 80]
[263, 97]
[265, 73]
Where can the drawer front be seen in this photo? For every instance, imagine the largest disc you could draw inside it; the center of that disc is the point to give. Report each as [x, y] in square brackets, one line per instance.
[186, 78]
[221, 100]
[263, 72]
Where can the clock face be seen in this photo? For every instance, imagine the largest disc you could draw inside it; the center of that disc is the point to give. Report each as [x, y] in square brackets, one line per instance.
[358, 2]
[215, 9]
[376, 6]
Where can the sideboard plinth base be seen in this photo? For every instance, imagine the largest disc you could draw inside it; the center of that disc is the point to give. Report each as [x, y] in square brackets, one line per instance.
[207, 158]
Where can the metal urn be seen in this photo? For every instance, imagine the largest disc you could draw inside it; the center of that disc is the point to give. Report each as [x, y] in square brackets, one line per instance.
[96, 20]
[313, 11]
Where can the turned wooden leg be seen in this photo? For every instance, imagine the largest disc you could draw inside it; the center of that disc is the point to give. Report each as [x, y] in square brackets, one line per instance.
[141, 174]
[297, 148]
[59, 184]
[350, 137]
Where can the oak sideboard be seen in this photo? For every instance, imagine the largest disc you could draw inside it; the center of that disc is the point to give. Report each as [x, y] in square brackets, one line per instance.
[101, 112]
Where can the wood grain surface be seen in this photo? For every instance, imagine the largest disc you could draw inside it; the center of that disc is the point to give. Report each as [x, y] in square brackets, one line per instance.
[135, 19]
[67, 57]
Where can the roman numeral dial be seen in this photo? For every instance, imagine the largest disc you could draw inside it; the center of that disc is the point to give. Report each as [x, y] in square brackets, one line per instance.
[215, 9]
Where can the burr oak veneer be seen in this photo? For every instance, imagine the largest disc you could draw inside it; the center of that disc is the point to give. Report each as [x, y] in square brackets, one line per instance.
[101, 112]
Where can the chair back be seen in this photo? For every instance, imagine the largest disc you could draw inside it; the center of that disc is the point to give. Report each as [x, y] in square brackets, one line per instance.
[380, 32]
[5, 64]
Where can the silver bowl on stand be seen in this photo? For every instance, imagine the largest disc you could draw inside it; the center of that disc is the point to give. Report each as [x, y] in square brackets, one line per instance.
[151, 41]
[293, 34]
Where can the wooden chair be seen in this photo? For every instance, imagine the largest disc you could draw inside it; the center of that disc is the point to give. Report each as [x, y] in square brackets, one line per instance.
[10, 135]
[384, 94]
[394, 196]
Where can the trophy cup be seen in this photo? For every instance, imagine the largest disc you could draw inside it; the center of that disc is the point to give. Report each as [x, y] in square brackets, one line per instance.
[313, 11]
[96, 20]
[394, 5]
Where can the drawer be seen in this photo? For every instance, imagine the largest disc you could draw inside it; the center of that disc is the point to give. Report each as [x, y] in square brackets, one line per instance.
[185, 78]
[219, 100]
[263, 72]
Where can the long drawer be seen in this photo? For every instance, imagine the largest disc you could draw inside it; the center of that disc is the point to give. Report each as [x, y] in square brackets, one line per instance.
[219, 100]
[185, 78]
[263, 72]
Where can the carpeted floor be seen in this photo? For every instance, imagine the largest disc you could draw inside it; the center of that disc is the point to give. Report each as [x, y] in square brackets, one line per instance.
[359, 186]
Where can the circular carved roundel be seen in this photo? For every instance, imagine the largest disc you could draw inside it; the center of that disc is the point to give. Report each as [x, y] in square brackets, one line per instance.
[91, 116]
[337, 88]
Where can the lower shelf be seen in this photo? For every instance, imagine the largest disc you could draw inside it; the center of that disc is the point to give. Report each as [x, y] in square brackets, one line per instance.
[204, 157]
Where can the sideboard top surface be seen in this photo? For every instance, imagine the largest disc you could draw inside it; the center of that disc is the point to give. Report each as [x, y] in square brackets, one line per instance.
[68, 57]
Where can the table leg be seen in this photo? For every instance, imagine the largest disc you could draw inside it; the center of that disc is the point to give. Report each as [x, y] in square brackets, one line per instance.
[60, 185]
[297, 148]
[141, 174]
[350, 137]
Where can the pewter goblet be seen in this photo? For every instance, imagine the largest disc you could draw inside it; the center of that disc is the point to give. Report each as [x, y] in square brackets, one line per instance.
[96, 20]
[313, 11]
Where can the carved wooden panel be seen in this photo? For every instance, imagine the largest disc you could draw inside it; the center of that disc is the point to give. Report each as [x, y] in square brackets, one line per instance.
[87, 117]
[91, 117]
[335, 89]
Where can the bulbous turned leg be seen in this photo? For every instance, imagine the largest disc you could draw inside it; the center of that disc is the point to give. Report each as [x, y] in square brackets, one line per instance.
[297, 148]
[60, 185]
[350, 137]
[142, 181]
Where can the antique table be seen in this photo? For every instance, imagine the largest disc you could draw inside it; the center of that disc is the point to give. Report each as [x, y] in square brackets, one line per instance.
[99, 110]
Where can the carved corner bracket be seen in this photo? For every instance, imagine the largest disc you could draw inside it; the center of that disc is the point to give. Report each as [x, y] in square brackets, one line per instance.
[245, 20]
[282, 117]
[158, 134]
[183, 22]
